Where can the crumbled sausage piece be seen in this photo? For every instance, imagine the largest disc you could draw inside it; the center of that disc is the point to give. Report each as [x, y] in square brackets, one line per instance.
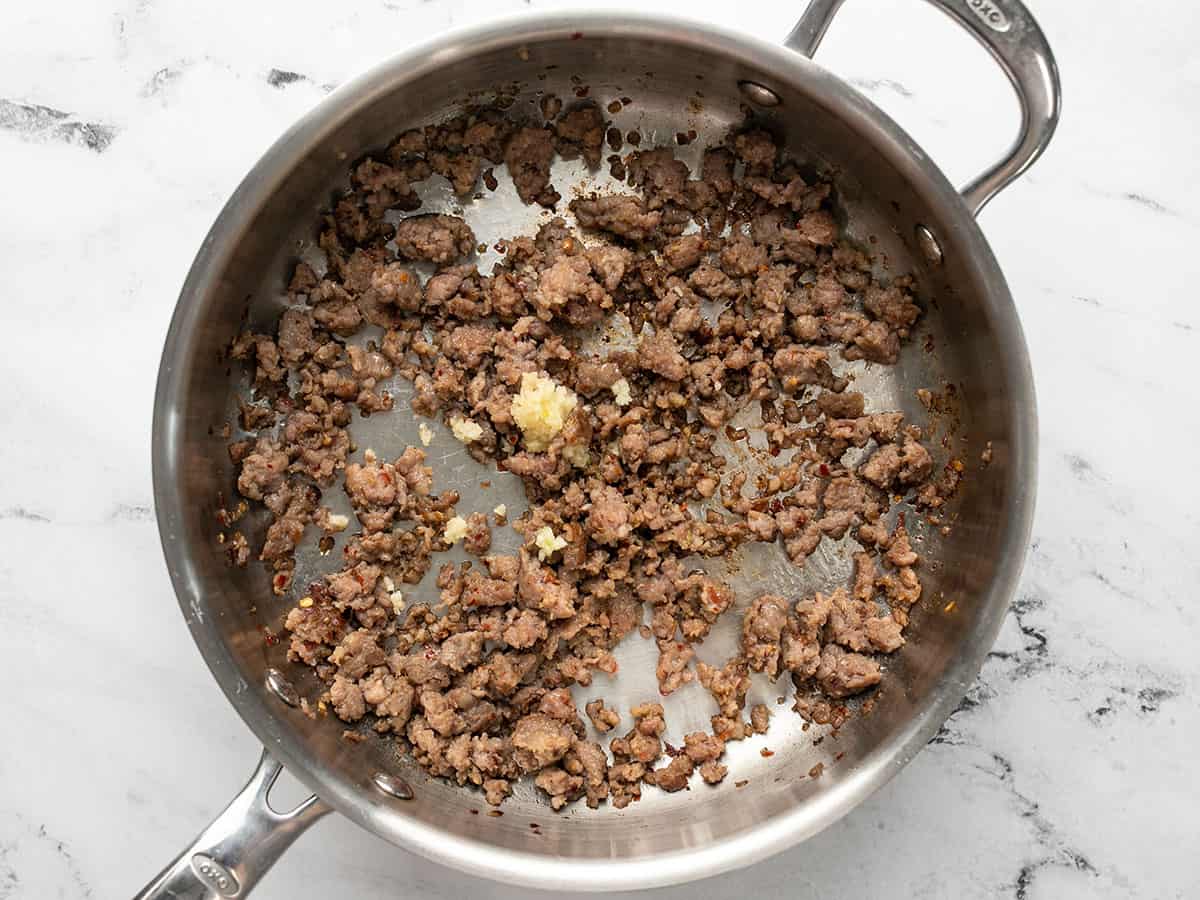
[713, 772]
[528, 156]
[604, 719]
[673, 776]
[436, 238]
[347, 699]
[608, 519]
[683, 252]
[672, 669]
[580, 131]
[756, 149]
[843, 674]
[892, 464]
[659, 353]
[540, 740]
[621, 214]
[661, 177]
[479, 535]
[762, 633]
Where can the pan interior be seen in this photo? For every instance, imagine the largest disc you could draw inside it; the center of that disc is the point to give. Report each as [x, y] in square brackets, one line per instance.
[676, 84]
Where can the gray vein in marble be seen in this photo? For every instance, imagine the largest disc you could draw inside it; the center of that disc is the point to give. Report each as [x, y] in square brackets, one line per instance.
[1149, 203]
[1081, 468]
[281, 78]
[1150, 698]
[160, 80]
[121, 512]
[44, 122]
[1146, 702]
[1036, 651]
[132, 513]
[1142, 200]
[9, 879]
[949, 734]
[12, 851]
[23, 514]
[1057, 851]
[1116, 589]
[1139, 315]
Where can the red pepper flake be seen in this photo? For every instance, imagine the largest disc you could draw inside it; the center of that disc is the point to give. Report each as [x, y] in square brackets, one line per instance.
[775, 450]
[764, 752]
[839, 756]
[741, 784]
[474, 812]
[576, 35]
[776, 505]
[824, 470]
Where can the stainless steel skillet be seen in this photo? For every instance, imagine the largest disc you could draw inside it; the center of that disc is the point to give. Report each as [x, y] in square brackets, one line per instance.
[888, 190]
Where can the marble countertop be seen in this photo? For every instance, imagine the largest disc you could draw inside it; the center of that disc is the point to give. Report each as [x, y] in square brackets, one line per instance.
[124, 126]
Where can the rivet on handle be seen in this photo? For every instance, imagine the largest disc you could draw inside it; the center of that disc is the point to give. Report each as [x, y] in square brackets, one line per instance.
[393, 786]
[759, 95]
[930, 248]
[282, 688]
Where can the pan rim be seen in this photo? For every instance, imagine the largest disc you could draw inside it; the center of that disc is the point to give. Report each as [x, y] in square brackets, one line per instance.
[466, 854]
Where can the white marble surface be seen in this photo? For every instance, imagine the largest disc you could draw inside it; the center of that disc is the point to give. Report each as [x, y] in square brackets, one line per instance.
[1070, 773]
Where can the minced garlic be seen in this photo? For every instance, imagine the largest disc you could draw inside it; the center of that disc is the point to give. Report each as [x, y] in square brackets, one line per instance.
[466, 430]
[621, 393]
[456, 530]
[426, 433]
[337, 522]
[547, 542]
[540, 410]
[500, 511]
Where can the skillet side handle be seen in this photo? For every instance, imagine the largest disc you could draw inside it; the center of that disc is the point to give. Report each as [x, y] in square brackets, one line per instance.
[237, 849]
[1015, 41]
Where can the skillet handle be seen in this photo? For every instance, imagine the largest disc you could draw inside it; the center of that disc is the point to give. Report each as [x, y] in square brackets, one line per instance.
[237, 849]
[1015, 41]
